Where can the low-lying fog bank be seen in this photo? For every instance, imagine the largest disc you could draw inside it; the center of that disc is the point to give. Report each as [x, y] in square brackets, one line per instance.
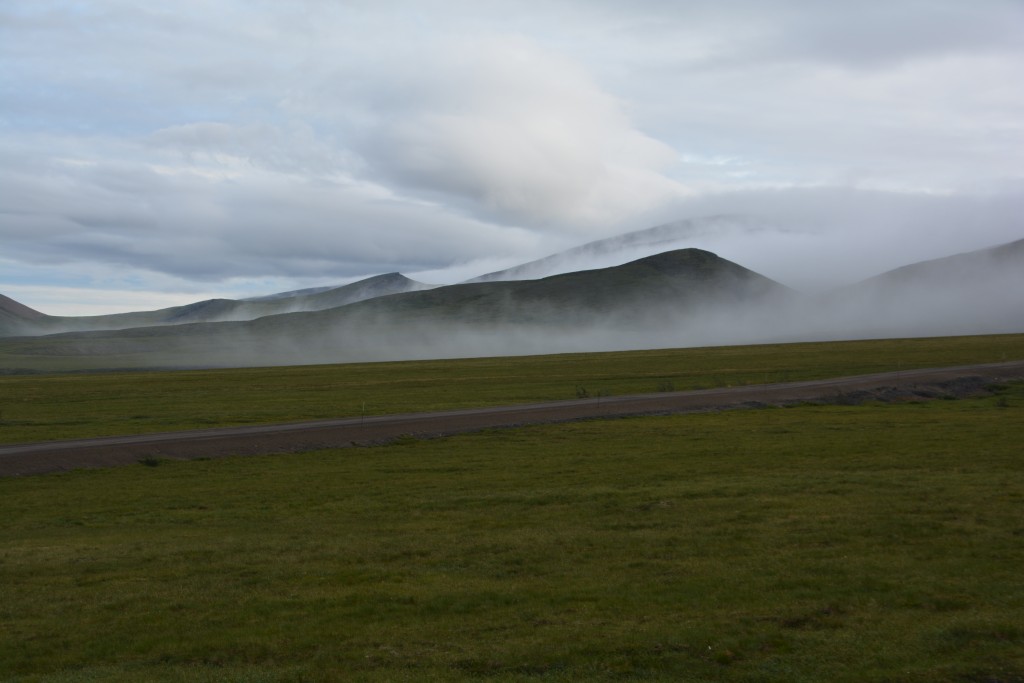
[683, 298]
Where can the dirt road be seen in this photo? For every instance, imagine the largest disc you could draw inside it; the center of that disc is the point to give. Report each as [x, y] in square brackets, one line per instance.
[53, 456]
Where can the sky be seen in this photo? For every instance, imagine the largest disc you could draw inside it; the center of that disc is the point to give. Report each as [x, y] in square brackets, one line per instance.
[155, 154]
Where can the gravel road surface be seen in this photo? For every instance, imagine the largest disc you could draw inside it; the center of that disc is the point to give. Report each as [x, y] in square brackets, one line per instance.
[53, 456]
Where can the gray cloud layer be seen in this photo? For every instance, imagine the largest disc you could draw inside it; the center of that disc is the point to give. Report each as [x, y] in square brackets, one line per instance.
[248, 145]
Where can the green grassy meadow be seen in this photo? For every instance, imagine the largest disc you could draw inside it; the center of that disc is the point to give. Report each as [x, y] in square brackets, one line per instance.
[842, 543]
[848, 543]
[36, 407]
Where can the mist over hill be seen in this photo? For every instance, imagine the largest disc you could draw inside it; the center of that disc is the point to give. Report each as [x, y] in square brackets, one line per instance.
[814, 240]
[16, 316]
[685, 297]
[680, 298]
[972, 293]
[629, 246]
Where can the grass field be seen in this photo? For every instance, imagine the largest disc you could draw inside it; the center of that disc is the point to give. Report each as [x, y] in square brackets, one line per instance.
[42, 407]
[868, 543]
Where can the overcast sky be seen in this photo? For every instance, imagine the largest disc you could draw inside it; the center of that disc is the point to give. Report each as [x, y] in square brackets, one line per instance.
[153, 154]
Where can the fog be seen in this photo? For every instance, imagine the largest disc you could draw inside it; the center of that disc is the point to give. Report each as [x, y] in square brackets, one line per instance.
[977, 293]
[980, 293]
[813, 239]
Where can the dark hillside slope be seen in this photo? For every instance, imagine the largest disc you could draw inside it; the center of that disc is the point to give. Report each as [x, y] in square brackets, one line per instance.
[16, 316]
[9, 306]
[673, 283]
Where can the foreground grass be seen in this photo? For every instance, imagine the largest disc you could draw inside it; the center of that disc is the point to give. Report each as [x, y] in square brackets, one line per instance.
[871, 543]
[35, 408]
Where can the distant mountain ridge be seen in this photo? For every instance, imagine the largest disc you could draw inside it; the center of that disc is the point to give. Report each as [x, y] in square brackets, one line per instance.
[377, 285]
[639, 302]
[9, 306]
[210, 310]
[15, 316]
[973, 264]
[684, 297]
[672, 280]
[977, 292]
[620, 248]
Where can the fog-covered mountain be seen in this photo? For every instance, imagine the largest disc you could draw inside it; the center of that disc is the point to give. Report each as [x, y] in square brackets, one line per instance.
[15, 316]
[680, 298]
[972, 293]
[687, 297]
[673, 282]
[24, 321]
[629, 246]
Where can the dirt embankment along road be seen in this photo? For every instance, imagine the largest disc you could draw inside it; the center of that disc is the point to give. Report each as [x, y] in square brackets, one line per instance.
[54, 456]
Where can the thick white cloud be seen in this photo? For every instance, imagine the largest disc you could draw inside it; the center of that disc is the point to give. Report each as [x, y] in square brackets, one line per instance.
[524, 134]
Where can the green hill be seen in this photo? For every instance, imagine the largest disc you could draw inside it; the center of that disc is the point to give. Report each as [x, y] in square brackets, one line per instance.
[673, 282]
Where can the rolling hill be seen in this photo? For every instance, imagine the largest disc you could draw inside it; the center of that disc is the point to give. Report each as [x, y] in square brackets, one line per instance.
[15, 316]
[673, 281]
[955, 271]
[686, 297]
[632, 245]
[662, 300]
[977, 292]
